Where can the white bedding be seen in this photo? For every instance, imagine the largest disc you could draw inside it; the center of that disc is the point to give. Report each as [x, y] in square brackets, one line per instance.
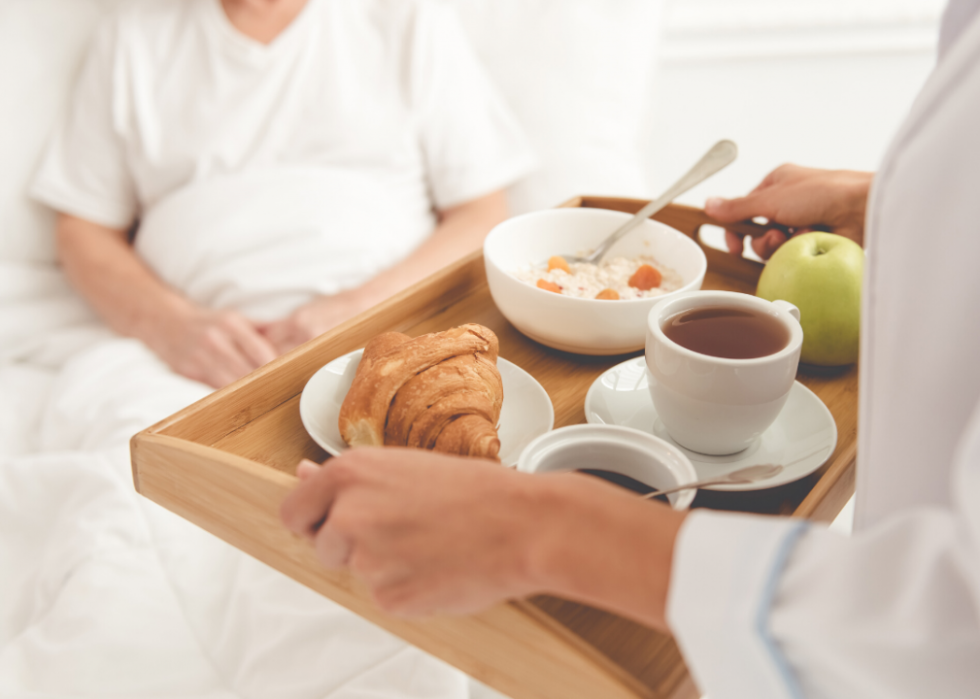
[102, 593]
[107, 595]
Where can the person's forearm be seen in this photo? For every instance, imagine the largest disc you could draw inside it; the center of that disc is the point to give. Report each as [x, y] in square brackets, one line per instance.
[102, 266]
[601, 546]
[460, 231]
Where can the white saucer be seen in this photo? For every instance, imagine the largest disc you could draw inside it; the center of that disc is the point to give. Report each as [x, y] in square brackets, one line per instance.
[801, 439]
[526, 412]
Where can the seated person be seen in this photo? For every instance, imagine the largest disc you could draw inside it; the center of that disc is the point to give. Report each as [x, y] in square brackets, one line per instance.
[381, 100]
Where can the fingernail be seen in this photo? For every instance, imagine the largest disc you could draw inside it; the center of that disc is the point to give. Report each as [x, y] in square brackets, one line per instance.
[713, 203]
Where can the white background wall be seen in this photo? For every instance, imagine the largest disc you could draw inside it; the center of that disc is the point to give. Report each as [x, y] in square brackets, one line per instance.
[823, 83]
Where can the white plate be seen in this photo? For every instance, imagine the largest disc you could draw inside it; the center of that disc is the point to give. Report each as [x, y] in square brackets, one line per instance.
[525, 414]
[801, 439]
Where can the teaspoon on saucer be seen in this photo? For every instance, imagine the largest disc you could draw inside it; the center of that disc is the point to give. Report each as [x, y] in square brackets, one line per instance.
[749, 474]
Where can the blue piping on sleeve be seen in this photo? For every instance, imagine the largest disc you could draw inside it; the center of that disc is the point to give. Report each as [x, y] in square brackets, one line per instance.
[765, 604]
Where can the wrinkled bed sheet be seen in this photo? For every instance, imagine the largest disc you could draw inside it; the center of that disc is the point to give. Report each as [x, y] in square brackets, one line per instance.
[105, 594]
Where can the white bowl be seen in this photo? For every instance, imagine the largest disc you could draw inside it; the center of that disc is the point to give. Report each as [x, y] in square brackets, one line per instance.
[583, 326]
[623, 450]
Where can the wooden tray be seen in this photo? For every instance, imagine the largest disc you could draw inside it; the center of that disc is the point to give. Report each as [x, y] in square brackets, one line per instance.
[226, 462]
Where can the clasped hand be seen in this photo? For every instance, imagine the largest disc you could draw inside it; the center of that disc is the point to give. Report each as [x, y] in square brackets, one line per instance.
[213, 347]
[219, 347]
[310, 320]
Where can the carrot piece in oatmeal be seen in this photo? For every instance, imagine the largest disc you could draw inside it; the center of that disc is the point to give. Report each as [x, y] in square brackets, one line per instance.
[646, 278]
[558, 262]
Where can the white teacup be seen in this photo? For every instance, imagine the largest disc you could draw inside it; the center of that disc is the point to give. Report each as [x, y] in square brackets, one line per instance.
[715, 405]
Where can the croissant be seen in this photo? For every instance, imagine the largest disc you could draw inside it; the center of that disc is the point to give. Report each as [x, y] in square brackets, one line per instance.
[440, 391]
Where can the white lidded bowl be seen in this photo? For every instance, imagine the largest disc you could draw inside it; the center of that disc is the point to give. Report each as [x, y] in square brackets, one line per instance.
[583, 326]
[623, 450]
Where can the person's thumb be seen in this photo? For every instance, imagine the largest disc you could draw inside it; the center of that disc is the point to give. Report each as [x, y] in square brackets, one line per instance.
[306, 469]
[732, 210]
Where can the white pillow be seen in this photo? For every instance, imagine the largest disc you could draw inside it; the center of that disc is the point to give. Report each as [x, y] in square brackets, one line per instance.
[42, 43]
[576, 72]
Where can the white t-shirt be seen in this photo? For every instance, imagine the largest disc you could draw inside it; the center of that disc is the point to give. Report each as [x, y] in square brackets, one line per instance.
[769, 607]
[384, 94]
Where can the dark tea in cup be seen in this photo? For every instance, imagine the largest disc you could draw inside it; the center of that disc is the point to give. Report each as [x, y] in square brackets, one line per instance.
[721, 366]
[727, 332]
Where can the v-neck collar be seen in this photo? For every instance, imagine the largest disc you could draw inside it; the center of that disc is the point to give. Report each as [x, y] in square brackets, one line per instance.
[252, 49]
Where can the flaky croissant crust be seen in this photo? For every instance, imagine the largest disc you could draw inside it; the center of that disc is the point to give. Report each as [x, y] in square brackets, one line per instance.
[439, 391]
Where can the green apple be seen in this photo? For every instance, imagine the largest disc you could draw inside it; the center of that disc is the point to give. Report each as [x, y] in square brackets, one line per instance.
[820, 273]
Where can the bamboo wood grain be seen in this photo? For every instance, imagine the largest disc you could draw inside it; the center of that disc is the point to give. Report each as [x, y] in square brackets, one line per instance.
[227, 461]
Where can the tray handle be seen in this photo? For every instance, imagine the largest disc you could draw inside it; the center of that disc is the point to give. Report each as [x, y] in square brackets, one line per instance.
[688, 220]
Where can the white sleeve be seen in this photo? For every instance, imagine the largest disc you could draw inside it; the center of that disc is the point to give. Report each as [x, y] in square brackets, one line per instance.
[766, 607]
[472, 143]
[84, 171]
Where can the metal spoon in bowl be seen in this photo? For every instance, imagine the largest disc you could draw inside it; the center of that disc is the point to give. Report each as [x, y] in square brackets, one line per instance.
[749, 474]
[720, 155]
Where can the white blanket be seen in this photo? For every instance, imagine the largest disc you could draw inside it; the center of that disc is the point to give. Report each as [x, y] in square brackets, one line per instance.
[104, 594]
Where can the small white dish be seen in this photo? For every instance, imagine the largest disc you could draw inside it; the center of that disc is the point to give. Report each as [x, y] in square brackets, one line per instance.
[623, 450]
[525, 414]
[801, 439]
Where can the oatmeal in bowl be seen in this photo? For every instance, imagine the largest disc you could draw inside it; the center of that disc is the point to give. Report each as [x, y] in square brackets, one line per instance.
[594, 309]
[612, 279]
